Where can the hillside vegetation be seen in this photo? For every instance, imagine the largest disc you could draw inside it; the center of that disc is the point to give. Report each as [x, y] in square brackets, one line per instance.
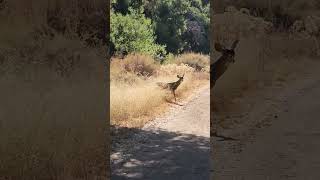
[273, 50]
[154, 41]
[53, 114]
[159, 27]
[135, 97]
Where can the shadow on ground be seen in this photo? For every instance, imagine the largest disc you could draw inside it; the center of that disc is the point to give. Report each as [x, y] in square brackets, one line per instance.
[172, 102]
[140, 154]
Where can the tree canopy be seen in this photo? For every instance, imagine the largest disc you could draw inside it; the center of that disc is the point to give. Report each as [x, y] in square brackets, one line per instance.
[160, 27]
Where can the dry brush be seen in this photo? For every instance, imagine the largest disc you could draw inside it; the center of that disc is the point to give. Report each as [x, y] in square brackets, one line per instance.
[135, 96]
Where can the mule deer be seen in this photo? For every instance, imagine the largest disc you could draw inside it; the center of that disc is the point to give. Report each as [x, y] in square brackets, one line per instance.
[172, 86]
[218, 68]
[221, 65]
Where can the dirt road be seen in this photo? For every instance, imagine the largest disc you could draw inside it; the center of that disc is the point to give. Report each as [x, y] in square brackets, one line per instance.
[280, 139]
[175, 146]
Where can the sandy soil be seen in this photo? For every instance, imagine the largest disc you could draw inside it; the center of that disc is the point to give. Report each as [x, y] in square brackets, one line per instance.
[175, 146]
[278, 135]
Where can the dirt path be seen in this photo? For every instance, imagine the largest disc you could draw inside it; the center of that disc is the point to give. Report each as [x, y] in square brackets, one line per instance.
[280, 139]
[175, 146]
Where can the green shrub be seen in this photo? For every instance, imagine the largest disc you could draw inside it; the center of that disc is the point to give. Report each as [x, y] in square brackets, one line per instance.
[180, 25]
[134, 33]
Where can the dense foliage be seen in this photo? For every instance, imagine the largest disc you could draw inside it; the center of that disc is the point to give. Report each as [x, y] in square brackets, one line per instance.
[134, 33]
[282, 13]
[166, 26]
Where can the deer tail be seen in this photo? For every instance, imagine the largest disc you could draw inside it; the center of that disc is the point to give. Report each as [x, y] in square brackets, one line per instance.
[162, 85]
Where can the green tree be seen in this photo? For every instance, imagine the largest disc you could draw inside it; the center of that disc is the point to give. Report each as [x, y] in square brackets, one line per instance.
[122, 6]
[182, 25]
[168, 16]
[198, 23]
[134, 32]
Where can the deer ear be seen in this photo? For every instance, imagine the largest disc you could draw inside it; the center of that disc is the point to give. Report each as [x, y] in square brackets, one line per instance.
[234, 45]
[218, 47]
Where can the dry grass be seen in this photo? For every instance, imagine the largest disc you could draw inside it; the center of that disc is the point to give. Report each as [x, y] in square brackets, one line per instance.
[271, 59]
[56, 133]
[197, 61]
[256, 68]
[53, 111]
[52, 127]
[139, 64]
[130, 103]
[135, 99]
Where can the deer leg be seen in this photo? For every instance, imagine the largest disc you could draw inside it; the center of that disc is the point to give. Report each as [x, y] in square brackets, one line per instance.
[174, 95]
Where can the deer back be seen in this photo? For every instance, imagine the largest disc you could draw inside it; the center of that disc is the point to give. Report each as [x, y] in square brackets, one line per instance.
[174, 85]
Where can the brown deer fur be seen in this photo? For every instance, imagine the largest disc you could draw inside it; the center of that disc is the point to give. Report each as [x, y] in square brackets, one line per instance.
[218, 68]
[172, 86]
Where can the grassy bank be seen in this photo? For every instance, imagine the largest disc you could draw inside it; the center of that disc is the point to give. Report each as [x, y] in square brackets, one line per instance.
[53, 99]
[135, 97]
[265, 57]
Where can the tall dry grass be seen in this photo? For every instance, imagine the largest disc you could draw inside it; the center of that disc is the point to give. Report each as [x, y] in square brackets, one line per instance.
[197, 61]
[135, 97]
[52, 132]
[270, 59]
[39, 11]
[261, 52]
[53, 127]
[53, 115]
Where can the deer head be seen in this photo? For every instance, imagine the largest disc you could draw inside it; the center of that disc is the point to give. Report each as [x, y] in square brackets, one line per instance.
[227, 53]
[180, 77]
